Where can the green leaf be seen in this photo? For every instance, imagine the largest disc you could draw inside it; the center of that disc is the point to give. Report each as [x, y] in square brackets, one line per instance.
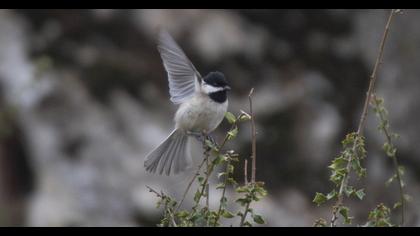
[401, 170]
[182, 214]
[200, 179]
[244, 116]
[407, 197]
[344, 211]
[197, 196]
[320, 223]
[221, 174]
[232, 133]
[332, 195]
[220, 159]
[397, 204]
[230, 181]
[261, 191]
[360, 194]
[390, 180]
[230, 169]
[349, 190]
[220, 186]
[230, 117]
[258, 219]
[246, 223]
[242, 189]
[242, 201]
[319, 198]
[389, 149]
[338, 163]
[227, 214]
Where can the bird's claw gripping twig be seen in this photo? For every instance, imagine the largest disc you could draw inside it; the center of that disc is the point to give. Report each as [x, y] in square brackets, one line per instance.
[202, 136]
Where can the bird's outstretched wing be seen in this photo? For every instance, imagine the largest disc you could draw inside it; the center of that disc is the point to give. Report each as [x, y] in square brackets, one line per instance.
[182, 76]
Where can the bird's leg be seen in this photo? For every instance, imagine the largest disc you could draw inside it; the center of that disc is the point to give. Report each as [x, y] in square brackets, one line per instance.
[198, 135]
[202, 136]
[211, 139]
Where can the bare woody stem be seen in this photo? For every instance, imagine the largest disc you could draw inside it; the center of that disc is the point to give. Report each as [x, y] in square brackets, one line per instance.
[254, 138]
[197, 173]
[253, 155]
[246, 172]
[241, 224]
[363, 116]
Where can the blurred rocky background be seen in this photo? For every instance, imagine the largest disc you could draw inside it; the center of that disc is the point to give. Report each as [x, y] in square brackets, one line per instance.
[84, 97]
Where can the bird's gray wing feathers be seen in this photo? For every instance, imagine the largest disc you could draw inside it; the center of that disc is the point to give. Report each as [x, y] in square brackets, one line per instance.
[182, 76]
[171, 154]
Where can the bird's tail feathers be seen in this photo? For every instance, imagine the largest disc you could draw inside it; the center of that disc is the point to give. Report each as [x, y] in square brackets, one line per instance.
[171, 155]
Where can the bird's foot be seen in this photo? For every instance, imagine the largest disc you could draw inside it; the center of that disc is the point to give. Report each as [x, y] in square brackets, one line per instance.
[198, 135]
[202, 136]
[211, 139]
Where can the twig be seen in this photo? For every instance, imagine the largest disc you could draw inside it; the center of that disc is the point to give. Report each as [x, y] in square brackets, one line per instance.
[190, 184]
[373, 76]
[206, 154]
[155, 192]
[361, 125]
[210, 169]
[207, 186]
[254, 138]
[394, 160]
[396, 165]
[243, 217]
[253, 155]
[168, 210]
[223, 194]
[246, 172]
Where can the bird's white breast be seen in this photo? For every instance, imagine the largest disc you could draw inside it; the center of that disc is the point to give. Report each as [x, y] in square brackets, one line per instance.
[200, 113]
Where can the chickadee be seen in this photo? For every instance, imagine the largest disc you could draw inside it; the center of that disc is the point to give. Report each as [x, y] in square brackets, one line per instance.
[203, 104]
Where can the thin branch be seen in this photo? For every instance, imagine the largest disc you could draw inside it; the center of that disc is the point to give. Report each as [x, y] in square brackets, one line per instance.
[190, 184]
[167, 209]
[253, 155]
[246, 172]
[394, 160]
[208, 185]
[160, 195]
[223, 194]
[210, 169]
[373, 76]
[254, 138]
[362, 121]
[243, 217]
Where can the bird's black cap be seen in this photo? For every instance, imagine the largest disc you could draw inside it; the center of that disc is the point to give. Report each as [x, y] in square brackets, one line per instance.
[216, 79]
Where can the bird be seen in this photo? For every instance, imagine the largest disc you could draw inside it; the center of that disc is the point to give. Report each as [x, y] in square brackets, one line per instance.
[202, 102]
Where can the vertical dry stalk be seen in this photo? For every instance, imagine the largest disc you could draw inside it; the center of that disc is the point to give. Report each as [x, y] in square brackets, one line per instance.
[253, 156]
[254, 138]
[246, 172]
[361, 125]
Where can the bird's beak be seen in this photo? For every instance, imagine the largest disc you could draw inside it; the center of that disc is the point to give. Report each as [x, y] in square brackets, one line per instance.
[227, 88]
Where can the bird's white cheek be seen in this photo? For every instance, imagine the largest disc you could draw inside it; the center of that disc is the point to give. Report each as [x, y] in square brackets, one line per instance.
[207, 89]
